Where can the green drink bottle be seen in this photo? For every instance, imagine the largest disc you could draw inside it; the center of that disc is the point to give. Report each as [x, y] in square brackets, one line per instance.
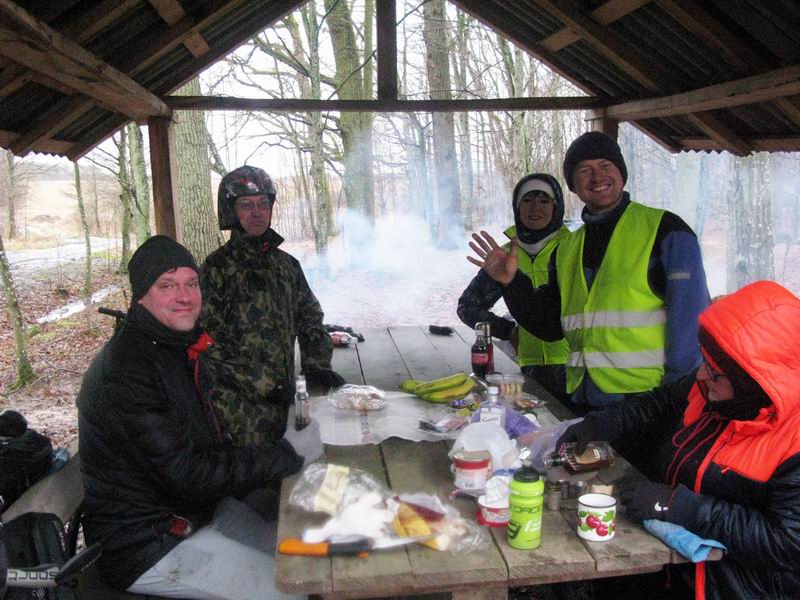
[525, 509]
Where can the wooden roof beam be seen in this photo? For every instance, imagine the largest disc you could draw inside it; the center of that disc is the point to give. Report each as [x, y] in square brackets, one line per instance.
[41, 49]
[727, 139]
[172, 12]
[608, 44]
[48, 146]
[611, 11]
[783, 144]
[49, 123]
[381, 105]
[772, 85]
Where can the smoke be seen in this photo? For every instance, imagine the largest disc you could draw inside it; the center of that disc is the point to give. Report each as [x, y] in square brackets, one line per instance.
[398, 277]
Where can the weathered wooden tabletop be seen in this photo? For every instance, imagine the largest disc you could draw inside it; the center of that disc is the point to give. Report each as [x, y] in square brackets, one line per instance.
[385, 359]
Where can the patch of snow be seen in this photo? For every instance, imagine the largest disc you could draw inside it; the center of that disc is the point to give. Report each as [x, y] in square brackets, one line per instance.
[75, 307]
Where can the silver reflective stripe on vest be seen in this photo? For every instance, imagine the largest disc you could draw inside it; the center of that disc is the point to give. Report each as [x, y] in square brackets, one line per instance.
[617, 360]
[615, 319]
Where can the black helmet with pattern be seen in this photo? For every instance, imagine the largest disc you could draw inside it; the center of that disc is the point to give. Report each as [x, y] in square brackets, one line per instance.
[244, 181]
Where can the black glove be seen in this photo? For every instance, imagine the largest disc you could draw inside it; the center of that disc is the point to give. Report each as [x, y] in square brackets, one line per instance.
[581, 434]
[325, 378]
[646, 500]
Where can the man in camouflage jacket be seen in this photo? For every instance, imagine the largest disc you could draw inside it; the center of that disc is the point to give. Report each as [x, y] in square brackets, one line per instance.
[256, 302]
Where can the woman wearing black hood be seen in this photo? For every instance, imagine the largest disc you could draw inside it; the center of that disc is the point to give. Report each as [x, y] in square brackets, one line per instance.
[538, 205]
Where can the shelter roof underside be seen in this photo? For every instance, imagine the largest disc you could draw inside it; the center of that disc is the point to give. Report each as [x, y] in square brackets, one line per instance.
[712, 75]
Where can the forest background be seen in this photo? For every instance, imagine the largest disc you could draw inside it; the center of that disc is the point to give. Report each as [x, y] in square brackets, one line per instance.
[378, 207]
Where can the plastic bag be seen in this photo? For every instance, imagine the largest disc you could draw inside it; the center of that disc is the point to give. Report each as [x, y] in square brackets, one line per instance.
[360, 506]
[543, 443]
[332, 488]
[491, 437]
[357, 397]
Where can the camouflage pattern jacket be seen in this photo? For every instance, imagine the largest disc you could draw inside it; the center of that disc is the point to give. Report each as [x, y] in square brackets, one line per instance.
[256, 302]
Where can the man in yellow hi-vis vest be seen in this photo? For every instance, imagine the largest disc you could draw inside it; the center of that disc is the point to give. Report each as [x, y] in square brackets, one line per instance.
[624, 290]
[538, 206]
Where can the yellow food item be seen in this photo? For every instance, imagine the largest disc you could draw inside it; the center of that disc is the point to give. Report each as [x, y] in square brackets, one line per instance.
[444, 383]
[408, 523]
[451, 393]
[409, 385]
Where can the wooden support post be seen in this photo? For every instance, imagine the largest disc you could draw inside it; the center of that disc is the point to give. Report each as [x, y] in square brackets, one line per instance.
[386, 16]
[166, 202]
[606, 125]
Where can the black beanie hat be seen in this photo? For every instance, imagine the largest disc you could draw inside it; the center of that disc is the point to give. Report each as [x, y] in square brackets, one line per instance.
[593, 145]
[152, 259]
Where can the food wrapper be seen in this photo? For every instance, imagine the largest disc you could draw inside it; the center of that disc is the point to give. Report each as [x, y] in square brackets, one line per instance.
[357, 397]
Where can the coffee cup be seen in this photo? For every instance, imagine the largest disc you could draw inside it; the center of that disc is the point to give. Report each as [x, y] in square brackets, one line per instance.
[597, 517]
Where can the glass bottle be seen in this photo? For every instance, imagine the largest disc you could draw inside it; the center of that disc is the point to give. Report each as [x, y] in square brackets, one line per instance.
[598, 455]
[486, 328]
[302, 404]
[480, 353]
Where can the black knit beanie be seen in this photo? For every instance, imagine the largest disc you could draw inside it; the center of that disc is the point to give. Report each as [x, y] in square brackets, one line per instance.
[593, 145]
[152, 259]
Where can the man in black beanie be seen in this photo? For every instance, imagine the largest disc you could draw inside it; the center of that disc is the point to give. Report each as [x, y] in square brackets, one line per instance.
[163, 486]
[625, 289]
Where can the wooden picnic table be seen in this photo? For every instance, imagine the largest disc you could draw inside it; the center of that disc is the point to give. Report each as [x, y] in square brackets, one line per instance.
[386, 358]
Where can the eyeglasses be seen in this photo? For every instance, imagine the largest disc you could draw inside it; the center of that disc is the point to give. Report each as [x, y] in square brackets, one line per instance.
[713, 374]
[250, 205]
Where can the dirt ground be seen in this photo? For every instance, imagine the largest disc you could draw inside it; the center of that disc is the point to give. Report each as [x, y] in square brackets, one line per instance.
[59, 352]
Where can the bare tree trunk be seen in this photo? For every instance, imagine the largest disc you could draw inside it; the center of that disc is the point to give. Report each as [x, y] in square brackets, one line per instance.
[95, 201]
[465, 142]
[750, 242]
[141, 187]
[87, 279]
[323, 211]
[356, 128]
[24, 369]
[125, 200]
[447, 228]
[201, 234]
[10, 194]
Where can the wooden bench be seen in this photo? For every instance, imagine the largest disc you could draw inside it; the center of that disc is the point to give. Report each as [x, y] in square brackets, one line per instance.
[62, 494]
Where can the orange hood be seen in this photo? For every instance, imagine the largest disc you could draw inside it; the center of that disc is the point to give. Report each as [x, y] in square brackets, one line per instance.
[759, 328]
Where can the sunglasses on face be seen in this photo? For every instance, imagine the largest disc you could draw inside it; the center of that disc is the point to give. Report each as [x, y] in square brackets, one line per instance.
[249, 205]
[713, 374]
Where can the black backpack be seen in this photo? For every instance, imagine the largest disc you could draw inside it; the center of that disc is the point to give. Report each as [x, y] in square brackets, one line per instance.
[30, 540]
[23, 460]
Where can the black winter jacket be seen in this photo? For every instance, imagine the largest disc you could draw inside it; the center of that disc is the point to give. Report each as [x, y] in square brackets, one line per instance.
[148, 451]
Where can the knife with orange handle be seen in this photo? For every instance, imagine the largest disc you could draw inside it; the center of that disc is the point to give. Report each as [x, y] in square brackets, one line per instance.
[359, 546]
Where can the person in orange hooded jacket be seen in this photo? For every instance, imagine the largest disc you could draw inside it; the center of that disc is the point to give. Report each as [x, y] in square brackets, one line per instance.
[729, 442]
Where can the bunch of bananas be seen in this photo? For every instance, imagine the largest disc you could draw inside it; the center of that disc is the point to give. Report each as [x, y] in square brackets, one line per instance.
[452, 387]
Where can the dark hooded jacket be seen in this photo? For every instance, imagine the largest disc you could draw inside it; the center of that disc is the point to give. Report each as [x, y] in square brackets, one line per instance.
[150, 449]
[483, 292]
[734, 464]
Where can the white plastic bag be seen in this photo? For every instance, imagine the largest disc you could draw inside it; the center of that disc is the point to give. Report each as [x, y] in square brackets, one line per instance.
[491, 437]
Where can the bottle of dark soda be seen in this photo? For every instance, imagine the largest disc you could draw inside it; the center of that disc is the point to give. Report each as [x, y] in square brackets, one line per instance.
[480, 353]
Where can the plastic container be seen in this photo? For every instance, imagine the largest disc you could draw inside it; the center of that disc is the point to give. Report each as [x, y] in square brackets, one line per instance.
[492, 514]
[471, 469]
[511, 386]
[525, 509]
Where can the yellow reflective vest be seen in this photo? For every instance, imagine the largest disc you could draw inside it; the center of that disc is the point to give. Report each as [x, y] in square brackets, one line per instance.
[533, 350]
[616, 330]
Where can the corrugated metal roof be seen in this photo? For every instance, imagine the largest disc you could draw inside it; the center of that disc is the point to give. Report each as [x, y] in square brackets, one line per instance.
[631, 51]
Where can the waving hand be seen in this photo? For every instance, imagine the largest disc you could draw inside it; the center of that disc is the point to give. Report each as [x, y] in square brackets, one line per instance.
[499, 264]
